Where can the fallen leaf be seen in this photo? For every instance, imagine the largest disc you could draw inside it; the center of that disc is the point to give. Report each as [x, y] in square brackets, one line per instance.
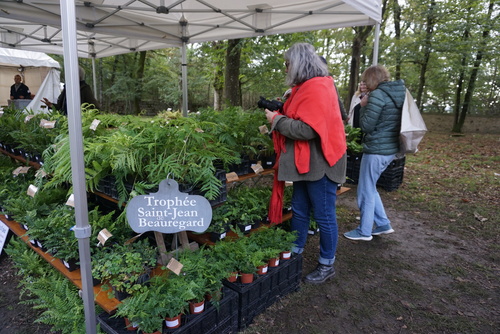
[479, 217]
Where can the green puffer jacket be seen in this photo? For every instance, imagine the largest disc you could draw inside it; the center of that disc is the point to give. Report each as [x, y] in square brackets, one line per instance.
[380, 119]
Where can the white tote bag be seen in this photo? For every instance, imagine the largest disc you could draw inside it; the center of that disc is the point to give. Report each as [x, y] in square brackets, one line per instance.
[413, 126]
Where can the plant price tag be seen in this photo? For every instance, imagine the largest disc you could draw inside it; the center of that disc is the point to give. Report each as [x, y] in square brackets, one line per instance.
[231, 177]
[1, 113]
[20, 170]
[47, 124]
[71, 200]
[40, 173]
[32, 190]
[257, 168]
[263, 129]
[94, 124]
[103, 236]
[175, 266]
[28, 118]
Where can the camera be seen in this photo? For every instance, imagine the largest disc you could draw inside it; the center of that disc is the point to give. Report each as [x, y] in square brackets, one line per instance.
[270, 104]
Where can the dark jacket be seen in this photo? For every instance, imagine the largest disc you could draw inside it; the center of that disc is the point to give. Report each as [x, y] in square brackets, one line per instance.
[23, 91]
[86, 96]
[380, 119]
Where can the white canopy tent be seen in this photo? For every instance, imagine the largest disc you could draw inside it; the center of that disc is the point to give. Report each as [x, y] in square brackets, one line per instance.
[111, 27]
[99, 28]
[39, 72]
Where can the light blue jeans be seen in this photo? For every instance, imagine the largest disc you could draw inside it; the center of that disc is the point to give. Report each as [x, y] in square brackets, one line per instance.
[318, 197]
[369, 201]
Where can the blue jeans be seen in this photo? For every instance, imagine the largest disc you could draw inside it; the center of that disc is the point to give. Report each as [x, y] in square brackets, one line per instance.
[319, 197]
[369, 201]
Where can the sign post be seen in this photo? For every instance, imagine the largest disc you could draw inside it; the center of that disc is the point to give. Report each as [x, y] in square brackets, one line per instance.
[169, 211]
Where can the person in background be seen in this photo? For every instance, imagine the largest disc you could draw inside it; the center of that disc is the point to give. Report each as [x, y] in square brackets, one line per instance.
[19, 90]
[353, 116]
[310, 145]
[380, 121]
[86, 95]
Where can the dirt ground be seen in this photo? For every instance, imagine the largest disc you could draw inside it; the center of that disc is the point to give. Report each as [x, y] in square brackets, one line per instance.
[424, 278]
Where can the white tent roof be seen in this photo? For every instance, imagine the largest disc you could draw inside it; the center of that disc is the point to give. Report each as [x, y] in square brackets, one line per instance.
[23, 58]
[110, 27]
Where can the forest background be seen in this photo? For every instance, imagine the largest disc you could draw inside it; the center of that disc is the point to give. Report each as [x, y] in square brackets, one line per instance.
[446, 51]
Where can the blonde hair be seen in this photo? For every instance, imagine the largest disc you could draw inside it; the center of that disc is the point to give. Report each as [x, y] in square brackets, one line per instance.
[374, 75]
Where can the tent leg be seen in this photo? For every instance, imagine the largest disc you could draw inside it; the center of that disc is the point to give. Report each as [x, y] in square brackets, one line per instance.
[375, 44]
[82, 229]
[184, 81]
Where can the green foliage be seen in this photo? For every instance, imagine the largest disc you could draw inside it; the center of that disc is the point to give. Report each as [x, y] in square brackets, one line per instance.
[123, 265]
[353, 139]
[165, 296]
[48, 291]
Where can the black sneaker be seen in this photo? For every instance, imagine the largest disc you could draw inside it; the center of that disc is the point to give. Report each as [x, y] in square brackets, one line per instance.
[320, 274]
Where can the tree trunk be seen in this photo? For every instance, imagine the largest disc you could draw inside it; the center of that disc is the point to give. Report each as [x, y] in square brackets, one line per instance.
[218, 78]
[457, 127]
[360, 37]
[139, 76]
[232, 94]
[458, 92]
[397, 36]
[429, 31]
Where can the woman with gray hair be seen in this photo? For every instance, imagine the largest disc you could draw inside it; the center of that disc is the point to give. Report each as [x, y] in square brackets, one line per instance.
[309, 141]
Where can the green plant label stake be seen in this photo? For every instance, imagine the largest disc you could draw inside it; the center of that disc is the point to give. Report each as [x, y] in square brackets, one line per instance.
[169, 211]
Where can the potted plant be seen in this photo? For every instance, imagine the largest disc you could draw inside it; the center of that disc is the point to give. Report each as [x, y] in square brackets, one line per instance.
[125, 267]
[142, 310]
[220, 224]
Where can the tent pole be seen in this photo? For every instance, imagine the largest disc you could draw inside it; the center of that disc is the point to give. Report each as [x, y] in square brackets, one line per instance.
[375, 44]
[82, 229]
[184, 81]
[93, 76]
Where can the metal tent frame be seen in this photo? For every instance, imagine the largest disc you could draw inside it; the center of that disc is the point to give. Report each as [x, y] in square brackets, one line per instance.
[101, 28]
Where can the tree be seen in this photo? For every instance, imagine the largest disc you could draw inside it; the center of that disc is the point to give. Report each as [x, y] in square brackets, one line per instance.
[486, 26]
[232, 93]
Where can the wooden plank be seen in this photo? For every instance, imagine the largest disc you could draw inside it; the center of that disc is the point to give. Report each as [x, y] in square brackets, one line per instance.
[100, 291]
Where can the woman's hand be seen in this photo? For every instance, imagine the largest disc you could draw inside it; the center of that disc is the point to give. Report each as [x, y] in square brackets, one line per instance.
[270, 115]
[364, 100]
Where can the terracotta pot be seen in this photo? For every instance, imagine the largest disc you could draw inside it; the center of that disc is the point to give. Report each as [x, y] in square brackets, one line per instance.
[233, 277]
[285, 255]
[174, 322]
[274, 262]
[246, 278]
[197, 307]
[217, 295]
[262, 270]
[130, 326]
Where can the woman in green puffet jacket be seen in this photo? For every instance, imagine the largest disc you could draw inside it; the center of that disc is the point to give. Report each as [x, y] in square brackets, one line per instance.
[380, 122]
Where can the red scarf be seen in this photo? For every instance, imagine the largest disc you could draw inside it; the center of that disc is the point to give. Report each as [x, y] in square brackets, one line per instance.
[314, 102]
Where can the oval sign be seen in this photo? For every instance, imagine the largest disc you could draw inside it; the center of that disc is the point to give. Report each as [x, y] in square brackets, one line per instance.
[169, 211]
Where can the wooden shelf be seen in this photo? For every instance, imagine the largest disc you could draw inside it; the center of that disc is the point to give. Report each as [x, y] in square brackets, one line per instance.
[100, 293]
[204, 238]
[20, 158]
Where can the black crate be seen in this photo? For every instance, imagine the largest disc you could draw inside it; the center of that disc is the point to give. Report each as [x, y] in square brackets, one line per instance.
[255, 297]
[389, 180]
[215, 320]
[353, 166]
